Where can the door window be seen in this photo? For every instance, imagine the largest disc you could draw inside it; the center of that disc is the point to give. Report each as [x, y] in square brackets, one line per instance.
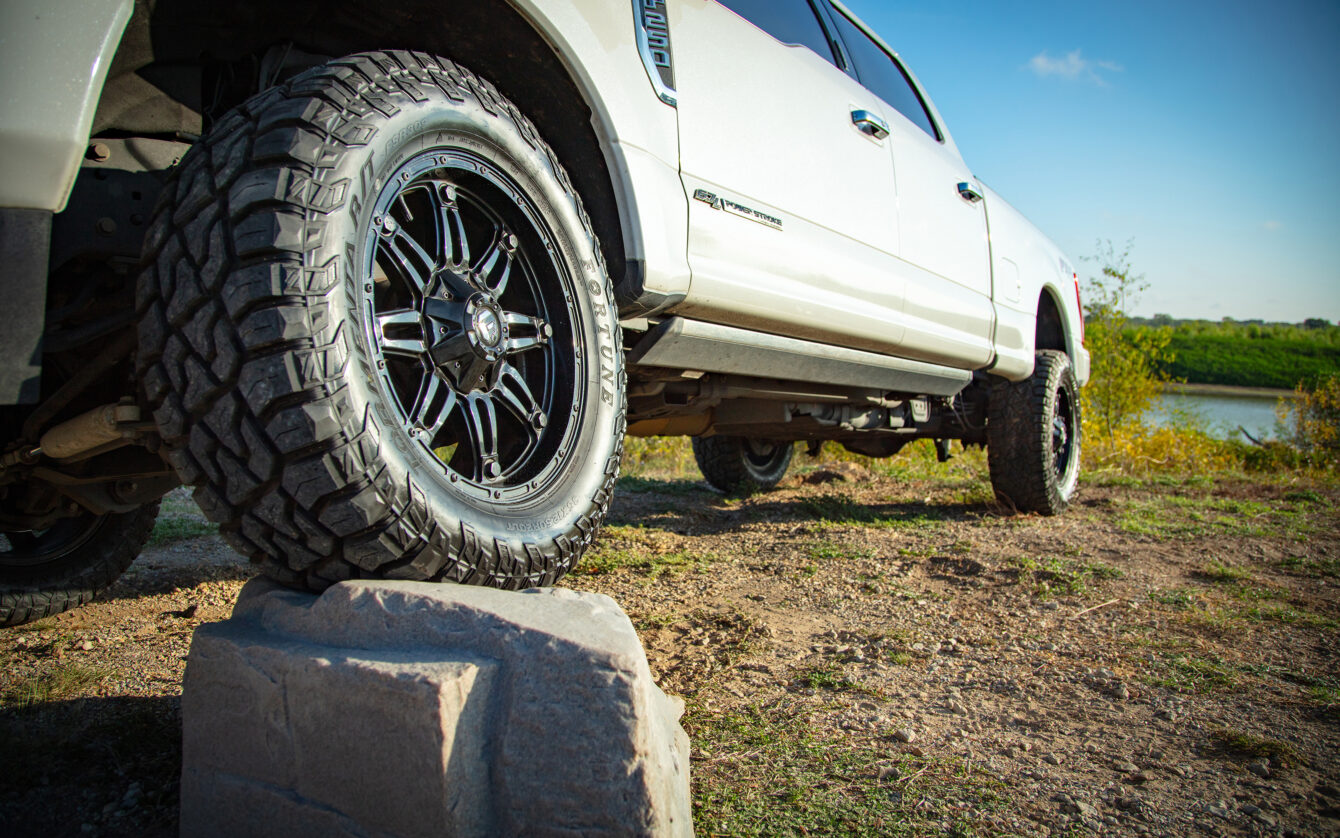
[883, 76]
[789, 21]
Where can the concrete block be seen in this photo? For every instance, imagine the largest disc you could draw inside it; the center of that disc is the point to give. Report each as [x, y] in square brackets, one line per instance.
[408, 709]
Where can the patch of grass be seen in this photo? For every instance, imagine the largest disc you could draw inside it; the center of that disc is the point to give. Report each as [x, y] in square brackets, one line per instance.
[1174, 517]
[768, 770]
[56, 685]
[1187, 674]
[1306, 496]
[1052, 575]
[1220, 572]
[1288, 615]
[1246, 744]
[1328, 567]
[837, 508]
[668, 486]
[809, 569]
[169, 529]
[655, 621]
[1176, 597]
[1327, 696]
[641, 548]
[831, 679]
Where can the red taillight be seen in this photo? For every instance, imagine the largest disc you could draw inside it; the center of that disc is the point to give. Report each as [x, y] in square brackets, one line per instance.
[1080, 304]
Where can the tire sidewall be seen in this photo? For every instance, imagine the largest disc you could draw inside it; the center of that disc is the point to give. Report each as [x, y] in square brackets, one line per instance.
[1061, 380]
[502, 139]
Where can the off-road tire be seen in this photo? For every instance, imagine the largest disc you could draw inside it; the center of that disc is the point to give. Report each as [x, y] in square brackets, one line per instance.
[72, 577]
[265, 363]
[1033, 437]
[736, 464]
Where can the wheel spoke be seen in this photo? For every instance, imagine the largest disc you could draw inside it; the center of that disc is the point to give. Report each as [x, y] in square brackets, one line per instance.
[539, 332]
[433, 405]
[515, 393]
[400, 320]
[396, 241]
[481, 423]
[492, 277]
[451, 240]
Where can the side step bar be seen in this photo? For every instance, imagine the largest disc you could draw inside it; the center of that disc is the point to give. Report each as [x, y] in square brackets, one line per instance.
[693, 345]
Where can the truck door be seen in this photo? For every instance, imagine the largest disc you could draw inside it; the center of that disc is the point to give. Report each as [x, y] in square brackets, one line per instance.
[941, 214]
[793, 224]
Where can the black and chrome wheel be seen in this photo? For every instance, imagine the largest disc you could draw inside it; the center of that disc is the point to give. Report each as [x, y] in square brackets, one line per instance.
[66, 563]
[387, 346]
[1033, 437]
[738, 464]
[472, 323]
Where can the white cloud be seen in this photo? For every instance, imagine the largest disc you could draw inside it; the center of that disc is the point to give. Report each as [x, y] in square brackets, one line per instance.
[1073, 65]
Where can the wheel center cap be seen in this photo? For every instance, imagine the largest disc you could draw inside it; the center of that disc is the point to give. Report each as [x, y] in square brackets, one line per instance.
[487, 326]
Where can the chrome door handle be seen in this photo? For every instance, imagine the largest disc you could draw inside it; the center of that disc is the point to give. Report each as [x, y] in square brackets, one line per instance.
[870, 124]
[969, 192]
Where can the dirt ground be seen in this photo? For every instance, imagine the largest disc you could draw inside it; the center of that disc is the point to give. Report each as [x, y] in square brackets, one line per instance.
[860, 653]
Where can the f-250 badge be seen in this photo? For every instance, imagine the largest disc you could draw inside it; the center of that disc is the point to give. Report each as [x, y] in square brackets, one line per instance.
[741, 210]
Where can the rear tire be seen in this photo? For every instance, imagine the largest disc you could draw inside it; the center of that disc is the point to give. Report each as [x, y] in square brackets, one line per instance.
[67, 565]
[379, 336]
[1033, 437]
[736, 464]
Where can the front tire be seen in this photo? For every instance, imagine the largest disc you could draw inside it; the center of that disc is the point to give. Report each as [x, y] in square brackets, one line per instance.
[737, 464]
[1033, 437]
[379, 334]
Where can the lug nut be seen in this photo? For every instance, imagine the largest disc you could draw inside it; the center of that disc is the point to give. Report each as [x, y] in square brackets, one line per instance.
[99, 152]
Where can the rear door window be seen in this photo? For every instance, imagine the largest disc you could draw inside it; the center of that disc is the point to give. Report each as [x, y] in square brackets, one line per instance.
[789, 21]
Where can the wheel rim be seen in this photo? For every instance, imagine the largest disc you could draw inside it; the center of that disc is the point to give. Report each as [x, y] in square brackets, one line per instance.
[1064, 437]
[762, 454]
[471, 321]
[30, 548]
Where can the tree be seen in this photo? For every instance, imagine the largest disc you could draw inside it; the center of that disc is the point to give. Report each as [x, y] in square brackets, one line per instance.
[1124, 378]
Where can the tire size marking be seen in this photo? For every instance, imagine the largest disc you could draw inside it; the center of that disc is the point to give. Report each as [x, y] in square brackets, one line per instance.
[398, 138]
[559, 518]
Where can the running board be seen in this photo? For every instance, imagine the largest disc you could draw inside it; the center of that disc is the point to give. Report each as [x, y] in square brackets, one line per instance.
[707, 347]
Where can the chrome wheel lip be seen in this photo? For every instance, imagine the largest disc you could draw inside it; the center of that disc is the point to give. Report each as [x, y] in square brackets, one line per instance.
[494, 335]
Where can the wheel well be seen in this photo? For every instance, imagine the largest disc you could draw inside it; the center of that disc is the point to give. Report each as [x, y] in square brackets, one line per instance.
[183, 63]
[1050, 332]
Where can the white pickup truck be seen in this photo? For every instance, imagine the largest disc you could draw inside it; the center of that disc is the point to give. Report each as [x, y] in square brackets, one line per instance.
[388, 282]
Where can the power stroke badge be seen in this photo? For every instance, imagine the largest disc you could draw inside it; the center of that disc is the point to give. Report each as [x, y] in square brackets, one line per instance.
[727, 205]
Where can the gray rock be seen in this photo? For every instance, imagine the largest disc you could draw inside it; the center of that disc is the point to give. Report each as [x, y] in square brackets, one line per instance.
[1260, 768]
[905, 735]
[406, 709]
[1070, 806]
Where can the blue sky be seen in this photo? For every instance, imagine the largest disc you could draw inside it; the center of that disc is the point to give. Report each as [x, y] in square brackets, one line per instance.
[1204, 131]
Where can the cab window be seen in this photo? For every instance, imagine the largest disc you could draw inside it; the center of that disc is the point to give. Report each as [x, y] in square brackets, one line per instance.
[789, 21]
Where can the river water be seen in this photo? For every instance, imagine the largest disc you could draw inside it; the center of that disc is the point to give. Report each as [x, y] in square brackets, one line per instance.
[1220, 415]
